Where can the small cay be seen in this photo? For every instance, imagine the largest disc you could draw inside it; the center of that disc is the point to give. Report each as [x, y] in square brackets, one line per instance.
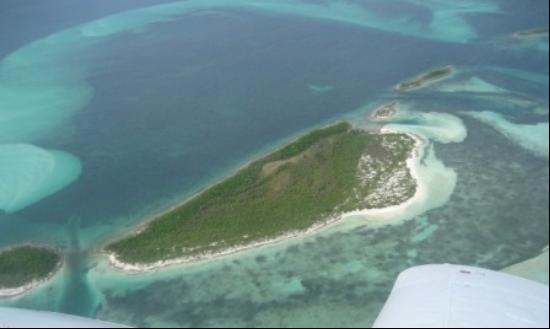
[307, 183]
[385, 111]
[426, 79]
[23, 268]
[533, 33]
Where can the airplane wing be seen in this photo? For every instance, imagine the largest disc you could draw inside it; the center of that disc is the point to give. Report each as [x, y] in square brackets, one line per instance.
[450, 296]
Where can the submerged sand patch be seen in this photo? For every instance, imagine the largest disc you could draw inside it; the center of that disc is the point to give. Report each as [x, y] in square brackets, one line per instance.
[535, 269]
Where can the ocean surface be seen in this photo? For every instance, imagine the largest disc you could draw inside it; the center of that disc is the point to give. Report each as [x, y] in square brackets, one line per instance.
[113, 110]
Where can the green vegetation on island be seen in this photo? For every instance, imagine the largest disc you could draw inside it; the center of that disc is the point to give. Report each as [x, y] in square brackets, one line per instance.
[426, 78]
[24, 265]
[385, 111]
[321, 175]
[536, 32]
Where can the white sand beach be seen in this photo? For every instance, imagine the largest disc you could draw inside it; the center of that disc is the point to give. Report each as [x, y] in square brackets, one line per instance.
[20, 291]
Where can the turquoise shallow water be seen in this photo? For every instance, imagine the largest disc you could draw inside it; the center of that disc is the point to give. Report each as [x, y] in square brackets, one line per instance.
[144, 116]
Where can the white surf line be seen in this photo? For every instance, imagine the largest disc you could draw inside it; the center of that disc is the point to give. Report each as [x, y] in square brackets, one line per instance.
[27, 288]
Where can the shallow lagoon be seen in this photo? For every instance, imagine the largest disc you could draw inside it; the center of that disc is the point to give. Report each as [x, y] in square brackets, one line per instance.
[154, 133]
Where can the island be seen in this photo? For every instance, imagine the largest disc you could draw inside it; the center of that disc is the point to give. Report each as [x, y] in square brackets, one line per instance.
[305, 185]
[533, 33]
[426, 79]
[23, 268]
[385, 111]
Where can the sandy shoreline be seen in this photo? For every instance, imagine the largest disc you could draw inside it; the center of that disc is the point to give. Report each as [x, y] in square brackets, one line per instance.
[412, 163]
[14, 292]
[20, 291]
[421, 189]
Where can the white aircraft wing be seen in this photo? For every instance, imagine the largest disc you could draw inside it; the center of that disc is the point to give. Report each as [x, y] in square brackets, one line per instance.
[450, 296]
